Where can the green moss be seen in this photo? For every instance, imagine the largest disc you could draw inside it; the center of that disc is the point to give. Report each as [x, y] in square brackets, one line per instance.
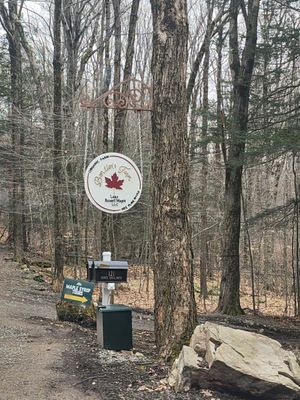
[177, 349]
[74, 313]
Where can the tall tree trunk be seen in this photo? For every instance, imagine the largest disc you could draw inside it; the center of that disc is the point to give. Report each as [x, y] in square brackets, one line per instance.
[106, 219]
[296, 219]
[76, 19]
[9, 17]
[17, 136]
[71, 32]
[129, 55]
[204, 157]
[212, 29]
[118, 133]
[120, 115]
[175, 311]
[241, 73]
[57, 151]
[220, 142]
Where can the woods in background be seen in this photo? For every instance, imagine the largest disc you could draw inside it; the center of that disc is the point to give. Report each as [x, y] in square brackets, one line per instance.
[219, 152]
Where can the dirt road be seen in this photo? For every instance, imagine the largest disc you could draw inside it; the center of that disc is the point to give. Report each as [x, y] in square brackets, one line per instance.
[32, 343]
[45, 359]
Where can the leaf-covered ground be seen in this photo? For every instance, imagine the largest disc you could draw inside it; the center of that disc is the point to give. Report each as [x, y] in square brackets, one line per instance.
[43, 359]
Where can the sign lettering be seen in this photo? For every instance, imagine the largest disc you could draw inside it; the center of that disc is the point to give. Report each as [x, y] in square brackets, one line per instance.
[113, 183]
[77, 291]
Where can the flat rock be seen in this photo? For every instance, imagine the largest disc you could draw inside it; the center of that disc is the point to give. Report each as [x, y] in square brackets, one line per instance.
[236, 361]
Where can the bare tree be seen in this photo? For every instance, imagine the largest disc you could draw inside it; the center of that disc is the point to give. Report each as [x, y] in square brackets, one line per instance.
[8, 20]
[204, 157]
[241, 74]
[213, 26]
[175, 311]
[120, 115]
[58, 273]
[118, 134]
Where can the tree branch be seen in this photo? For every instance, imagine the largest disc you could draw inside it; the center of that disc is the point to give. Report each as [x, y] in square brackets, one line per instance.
[212, 29]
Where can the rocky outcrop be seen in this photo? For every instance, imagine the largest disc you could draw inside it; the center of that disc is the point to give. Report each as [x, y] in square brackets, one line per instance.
[236, 361]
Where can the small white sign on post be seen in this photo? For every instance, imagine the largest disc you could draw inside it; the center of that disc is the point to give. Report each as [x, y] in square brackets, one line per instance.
[113, 183]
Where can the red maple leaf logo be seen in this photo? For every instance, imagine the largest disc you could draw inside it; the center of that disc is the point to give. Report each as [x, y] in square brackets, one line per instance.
[114, 182]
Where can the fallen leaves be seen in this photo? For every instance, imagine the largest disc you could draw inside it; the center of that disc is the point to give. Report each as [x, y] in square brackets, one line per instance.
[161, 387]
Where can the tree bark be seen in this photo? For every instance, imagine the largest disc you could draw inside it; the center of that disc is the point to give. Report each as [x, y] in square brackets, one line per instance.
[204, 259]
[58, 275]
[76, 18]
[241, 73]
[120, 115]
[106, 219]
[220, 136]
[296, 219]
[71, 35]
[129, 55]
[43, 101]
[211, 30]
[118, 134]
[9, 18]
[175, 311]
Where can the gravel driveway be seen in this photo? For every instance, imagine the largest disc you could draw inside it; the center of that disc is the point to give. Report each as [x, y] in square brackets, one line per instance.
[32, 343]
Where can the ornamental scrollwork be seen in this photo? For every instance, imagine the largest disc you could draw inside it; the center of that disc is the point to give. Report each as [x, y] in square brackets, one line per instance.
[131, 94]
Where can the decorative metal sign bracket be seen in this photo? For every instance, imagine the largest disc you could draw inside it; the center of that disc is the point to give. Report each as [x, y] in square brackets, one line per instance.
[131, 94]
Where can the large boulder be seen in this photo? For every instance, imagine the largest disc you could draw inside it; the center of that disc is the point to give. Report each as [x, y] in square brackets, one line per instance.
[236, 361]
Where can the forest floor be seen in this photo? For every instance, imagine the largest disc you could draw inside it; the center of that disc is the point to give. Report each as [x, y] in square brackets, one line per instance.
[42, 358]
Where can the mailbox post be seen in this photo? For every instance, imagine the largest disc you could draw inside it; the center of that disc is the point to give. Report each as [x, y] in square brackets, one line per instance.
[107, 287]
[114, 321]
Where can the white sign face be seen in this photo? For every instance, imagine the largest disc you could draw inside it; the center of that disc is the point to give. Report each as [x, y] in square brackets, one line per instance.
[113, 183]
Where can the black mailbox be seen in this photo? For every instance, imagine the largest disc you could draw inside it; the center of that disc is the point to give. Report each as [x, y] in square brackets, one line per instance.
[107, 271]
[110, 271]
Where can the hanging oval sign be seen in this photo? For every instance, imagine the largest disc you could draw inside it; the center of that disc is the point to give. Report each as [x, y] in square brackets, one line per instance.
[113, 183]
